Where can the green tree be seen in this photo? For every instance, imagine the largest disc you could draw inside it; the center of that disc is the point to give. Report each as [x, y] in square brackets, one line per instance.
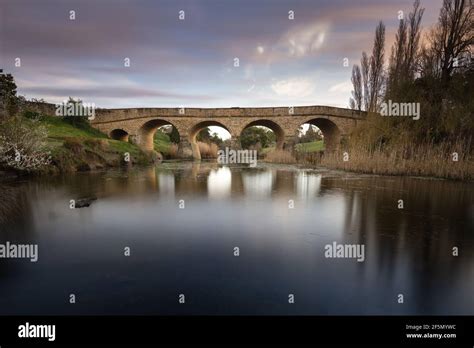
[9, 103]
[257, 135]
[312, 134]
[174, 135]
[76, 121]
[204, 135]
[171, 132]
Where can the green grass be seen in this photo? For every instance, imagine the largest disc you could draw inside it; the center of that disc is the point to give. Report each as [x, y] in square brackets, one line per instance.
[122, 147]
[266, 150]
[61, 131]
[58, 128]
[161, 142]
[314, 146]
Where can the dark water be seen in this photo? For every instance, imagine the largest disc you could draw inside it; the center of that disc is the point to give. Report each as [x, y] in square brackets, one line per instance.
[190, 251]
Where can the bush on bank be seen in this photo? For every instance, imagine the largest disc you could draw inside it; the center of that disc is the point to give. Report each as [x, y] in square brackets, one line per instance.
[34, 143]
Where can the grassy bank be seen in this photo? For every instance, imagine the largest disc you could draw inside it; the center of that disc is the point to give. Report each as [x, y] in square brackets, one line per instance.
[78, 146]
[314, 146]
[162, 143]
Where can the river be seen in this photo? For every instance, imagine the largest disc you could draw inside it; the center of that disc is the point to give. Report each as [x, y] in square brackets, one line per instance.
[237, 240]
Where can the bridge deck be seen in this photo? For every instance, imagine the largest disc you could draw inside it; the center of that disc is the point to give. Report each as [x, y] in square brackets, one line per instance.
[111, 115]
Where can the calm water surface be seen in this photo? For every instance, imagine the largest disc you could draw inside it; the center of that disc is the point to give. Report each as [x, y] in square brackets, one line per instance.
[190, 251]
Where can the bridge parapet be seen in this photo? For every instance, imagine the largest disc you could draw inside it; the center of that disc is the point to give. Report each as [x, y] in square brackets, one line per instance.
[110, 115]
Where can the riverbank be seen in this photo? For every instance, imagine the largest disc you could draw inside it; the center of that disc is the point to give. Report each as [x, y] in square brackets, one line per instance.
[67, 146]
[446, 161]
[436, 161]
[76, 147]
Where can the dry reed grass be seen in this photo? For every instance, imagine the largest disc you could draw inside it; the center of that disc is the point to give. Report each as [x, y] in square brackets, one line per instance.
[172, 151]
[208, 150]
[425, 160]
[280, 156]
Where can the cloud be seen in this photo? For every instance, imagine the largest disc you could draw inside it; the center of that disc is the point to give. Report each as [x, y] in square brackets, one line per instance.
[343, 87]
[294, 87]
[304, 40]
[111, 92]
[190, 62]
[63, 81]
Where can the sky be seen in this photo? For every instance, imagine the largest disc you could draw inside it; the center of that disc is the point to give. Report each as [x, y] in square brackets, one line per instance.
[191, 62]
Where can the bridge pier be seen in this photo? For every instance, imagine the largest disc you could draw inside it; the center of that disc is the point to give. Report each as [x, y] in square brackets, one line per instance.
[185, 148]
[235, 143]
[133, 138]
[344, 141]
[289, 143]
[332, 143]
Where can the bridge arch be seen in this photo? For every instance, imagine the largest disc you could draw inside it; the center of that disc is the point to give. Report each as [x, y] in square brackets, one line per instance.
[147, 131]
[194, 131]
[275, 127]
[331, 132]
[119, 134]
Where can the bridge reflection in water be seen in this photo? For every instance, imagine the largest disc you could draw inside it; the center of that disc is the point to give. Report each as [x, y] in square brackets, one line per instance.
[189, 250]
[218, 181]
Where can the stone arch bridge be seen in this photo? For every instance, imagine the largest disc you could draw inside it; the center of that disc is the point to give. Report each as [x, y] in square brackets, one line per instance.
[139, 125]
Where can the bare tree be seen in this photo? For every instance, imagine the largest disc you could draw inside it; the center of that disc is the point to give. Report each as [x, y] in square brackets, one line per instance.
[405, 51]
[356, 99]
[364, 63]
[452, 37]
[376, 72]
[412, 47]
[397, 55]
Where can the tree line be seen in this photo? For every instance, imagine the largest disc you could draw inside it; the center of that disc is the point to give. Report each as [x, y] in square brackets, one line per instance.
[434, 68]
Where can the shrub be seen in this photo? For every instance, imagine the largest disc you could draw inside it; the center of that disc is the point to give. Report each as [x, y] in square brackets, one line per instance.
[23, 144]
[32, 115]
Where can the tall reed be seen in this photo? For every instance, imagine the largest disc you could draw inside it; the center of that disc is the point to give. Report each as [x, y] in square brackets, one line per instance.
[280, 156]
[208, 150]
[429, 159]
